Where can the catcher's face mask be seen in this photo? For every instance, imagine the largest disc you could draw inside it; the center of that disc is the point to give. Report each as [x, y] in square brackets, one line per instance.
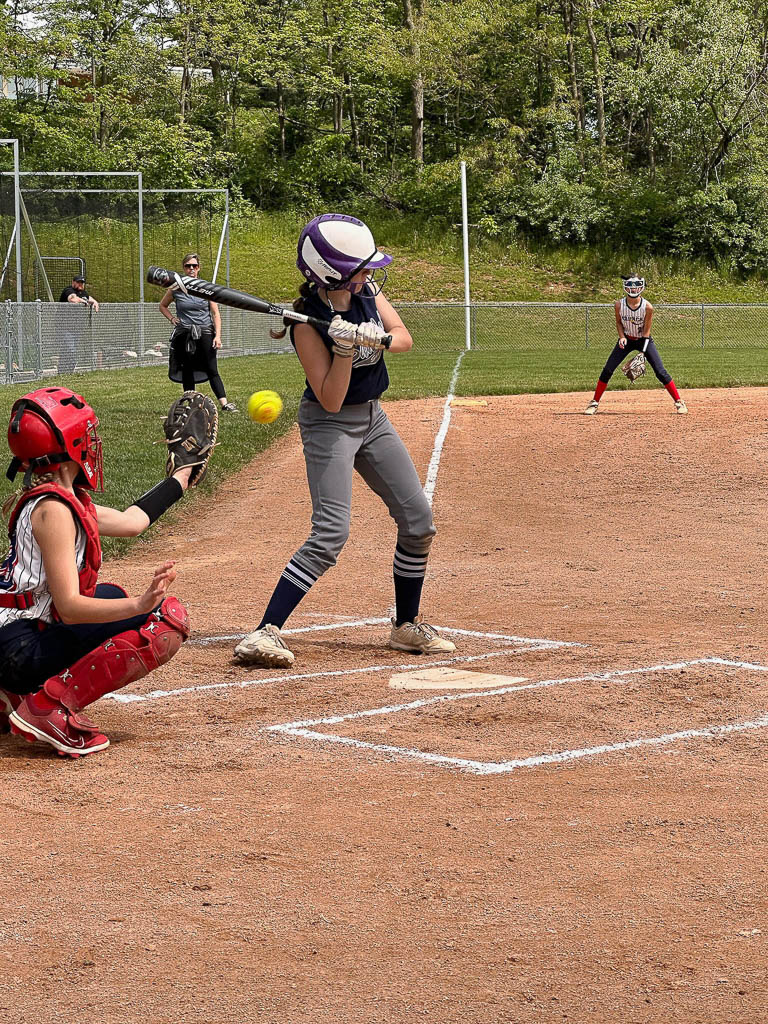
[54, 425]
[634, 286]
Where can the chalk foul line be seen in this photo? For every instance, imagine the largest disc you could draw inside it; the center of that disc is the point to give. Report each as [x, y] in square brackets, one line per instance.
[304, 730]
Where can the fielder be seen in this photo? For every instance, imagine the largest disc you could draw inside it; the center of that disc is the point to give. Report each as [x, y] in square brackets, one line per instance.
[344, 429]
[633, 323]
[65, 639]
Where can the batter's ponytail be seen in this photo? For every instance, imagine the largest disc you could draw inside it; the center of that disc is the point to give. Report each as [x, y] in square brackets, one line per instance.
[305, 291]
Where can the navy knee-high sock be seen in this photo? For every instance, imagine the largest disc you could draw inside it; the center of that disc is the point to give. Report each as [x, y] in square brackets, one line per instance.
[294, 583]
[408, 571]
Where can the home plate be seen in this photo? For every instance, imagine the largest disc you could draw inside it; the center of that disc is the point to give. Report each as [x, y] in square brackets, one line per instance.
[449, 679]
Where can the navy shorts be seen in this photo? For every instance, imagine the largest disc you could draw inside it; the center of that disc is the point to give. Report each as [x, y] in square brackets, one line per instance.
[29, 655]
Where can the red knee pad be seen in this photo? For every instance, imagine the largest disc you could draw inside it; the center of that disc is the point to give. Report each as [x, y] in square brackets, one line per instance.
[122, 659]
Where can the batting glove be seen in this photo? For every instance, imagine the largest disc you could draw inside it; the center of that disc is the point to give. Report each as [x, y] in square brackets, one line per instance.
[370, 335]
[343, 335]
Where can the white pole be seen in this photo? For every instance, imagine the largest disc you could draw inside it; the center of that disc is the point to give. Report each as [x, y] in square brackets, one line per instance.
[140, 190]
[16, 211]
[465, 233]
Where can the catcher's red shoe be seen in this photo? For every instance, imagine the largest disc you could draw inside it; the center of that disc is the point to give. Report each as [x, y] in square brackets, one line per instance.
[70, 733]
[8, 703]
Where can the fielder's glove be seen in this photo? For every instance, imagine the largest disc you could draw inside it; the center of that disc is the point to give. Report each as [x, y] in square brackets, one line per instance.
[634, 368]
[190, 429]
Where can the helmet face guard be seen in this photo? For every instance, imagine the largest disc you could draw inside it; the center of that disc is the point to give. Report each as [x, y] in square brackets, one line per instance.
[634, 286]
[51, 426]
[334, 248]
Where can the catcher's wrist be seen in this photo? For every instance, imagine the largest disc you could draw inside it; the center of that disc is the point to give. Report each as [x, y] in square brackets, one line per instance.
[156, 501]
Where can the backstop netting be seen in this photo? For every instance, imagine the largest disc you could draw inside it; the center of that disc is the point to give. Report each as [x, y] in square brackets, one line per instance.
[100, 225]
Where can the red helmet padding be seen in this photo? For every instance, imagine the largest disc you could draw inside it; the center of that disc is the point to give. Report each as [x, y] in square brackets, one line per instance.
[53, 425]
[123, 659]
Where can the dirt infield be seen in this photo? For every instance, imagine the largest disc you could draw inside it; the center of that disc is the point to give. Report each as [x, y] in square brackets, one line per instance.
[586, 845]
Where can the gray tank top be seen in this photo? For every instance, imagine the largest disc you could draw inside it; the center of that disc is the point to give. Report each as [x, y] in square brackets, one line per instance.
[190, 309]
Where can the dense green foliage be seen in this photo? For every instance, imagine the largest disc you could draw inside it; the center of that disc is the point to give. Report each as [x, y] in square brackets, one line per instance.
[599, 121]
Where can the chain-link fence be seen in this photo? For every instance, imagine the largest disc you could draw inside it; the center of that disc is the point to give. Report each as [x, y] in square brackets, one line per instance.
[40, 339]
[541, 326]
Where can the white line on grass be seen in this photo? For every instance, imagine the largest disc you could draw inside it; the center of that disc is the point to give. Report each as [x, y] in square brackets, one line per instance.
[434, 462]
[302, 729]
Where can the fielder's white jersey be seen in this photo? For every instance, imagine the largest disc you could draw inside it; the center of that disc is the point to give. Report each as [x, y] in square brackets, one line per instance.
[632, 320]
[23, 569]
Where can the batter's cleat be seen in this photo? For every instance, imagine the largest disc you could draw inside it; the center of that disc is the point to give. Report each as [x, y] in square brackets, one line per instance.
[680, 407]
[264, 647]
[591, 408]
[8, 703]
[419, 638]
[70, 733]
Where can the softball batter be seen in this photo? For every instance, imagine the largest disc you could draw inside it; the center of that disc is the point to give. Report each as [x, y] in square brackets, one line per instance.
[633, 323]
[344, 428]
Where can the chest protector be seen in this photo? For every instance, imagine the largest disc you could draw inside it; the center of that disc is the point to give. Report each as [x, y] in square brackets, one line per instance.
[84, 512]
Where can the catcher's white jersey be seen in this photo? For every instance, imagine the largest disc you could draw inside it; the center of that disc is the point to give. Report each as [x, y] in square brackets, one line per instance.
[632, 320]
[23, 569]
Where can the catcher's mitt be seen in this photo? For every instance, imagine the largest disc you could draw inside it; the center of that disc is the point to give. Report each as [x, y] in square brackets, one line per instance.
[634, 368]
[190, 428]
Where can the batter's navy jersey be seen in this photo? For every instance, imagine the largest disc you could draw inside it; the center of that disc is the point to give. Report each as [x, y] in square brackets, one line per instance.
[369, 371]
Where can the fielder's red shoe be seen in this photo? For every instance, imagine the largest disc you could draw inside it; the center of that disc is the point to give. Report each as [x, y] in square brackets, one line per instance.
[8, 703]
[70, 733]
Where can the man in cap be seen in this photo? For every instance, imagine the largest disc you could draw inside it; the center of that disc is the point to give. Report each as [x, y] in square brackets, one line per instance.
[77, 295]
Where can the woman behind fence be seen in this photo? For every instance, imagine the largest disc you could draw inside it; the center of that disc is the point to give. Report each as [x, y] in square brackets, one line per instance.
[196, 338]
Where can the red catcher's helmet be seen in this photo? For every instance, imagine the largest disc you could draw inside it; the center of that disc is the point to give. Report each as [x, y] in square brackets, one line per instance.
[54, 425]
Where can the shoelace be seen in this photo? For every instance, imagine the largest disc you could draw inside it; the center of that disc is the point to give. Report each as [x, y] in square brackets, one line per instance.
[428, 631]
[277, 638]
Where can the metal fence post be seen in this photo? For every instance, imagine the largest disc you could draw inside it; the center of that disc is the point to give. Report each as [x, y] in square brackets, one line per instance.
[39, 318]
[586, 325]
[8, 347]
[702, 325]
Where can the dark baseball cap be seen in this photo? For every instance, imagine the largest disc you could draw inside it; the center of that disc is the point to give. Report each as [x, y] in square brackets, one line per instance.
[79, 278]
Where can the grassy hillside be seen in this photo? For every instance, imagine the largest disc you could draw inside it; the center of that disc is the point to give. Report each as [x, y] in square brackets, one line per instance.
[427, 265]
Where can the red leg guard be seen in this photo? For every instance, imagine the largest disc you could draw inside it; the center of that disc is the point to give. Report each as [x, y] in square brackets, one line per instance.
[123, 659]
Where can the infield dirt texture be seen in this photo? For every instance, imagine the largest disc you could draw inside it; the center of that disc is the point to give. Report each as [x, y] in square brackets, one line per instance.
[237, 857]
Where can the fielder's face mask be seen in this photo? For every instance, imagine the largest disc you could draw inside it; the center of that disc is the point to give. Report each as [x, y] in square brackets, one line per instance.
[634, 286]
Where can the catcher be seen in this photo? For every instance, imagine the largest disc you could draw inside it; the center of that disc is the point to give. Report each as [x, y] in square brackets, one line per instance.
[633, 322]
[65, 639]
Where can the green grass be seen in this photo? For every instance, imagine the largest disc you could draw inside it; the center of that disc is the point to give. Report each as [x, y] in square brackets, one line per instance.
[131, 403]
[427, 265]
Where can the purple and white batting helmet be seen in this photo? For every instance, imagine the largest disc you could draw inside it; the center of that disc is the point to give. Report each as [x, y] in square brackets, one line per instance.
[334, 247]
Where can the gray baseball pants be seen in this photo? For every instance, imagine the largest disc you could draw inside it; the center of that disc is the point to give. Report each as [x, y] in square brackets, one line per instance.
[358, 437]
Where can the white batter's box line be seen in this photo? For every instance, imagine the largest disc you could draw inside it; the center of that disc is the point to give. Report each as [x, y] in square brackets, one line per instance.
[304, 730]
[242, 684]
[355, 623]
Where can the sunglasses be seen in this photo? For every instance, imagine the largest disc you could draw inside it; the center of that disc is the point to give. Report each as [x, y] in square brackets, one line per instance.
[191, 266]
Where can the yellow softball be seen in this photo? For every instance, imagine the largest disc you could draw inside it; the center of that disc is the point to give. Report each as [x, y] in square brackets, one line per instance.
[265, 406]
